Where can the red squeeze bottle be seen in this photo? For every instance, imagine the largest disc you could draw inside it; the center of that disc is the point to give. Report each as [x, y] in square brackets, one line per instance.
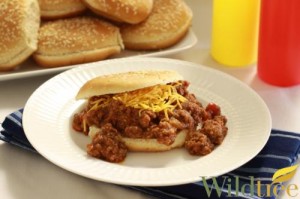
[279, 42]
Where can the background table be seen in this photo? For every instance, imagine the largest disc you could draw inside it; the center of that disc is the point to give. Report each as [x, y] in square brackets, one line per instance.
[26, 175]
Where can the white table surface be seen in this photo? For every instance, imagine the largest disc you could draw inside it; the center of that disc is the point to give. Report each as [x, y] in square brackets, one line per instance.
[25, 175]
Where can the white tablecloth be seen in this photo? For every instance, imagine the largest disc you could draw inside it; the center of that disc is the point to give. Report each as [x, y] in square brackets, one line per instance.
[27, 175]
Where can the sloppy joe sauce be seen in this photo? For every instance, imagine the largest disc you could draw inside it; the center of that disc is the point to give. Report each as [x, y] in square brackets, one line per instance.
[206, 125]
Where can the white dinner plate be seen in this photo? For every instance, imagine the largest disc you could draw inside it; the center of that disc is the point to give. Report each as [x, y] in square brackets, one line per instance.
[30, 68]
[48, 116]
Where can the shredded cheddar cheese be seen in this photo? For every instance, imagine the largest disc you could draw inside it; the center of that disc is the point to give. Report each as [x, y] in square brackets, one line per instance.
[102, 102]
[156, 98]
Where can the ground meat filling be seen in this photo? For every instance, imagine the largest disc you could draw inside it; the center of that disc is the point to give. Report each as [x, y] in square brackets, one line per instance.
[107, 145]
[206, 126]
[212, 133]
[198, 143]
[215, 130]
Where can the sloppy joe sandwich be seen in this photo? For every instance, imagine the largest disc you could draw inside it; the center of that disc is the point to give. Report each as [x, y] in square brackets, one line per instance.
[51, 9]
[76, 40]
[166, 25]
[128, 11]
[19, 25]
[146, 111]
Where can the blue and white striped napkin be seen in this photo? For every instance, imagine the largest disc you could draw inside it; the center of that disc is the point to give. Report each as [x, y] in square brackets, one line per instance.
[252, 180]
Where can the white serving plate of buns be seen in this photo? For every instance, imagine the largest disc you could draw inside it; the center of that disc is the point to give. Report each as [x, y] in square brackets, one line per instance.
[48, 116]
[44, 36]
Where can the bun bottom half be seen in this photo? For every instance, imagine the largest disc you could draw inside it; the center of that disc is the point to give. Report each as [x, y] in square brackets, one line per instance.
[147, 145]
[160, 43]
[75, 58]
[51, 15]
[18, 59]
[151, 145]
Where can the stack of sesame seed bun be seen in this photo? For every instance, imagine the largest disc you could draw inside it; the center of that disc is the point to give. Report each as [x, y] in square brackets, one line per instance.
[19, 24]
[58, 33]
[55, 9]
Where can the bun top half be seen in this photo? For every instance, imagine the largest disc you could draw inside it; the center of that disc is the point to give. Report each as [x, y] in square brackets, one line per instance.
[19, 24]
[124, 82]
[76, 40]
[128, 11]
[166, 25]
[66, 36]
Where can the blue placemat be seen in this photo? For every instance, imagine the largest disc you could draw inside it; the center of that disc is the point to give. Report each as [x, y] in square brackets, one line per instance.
[252, 180]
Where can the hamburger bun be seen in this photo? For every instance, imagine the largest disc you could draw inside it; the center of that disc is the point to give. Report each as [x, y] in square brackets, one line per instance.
[166, 25]
[131, 81]
[19, 24]
[127, 81]
[51, 9]
[76, 40]
[146, 145]
[129, 11]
